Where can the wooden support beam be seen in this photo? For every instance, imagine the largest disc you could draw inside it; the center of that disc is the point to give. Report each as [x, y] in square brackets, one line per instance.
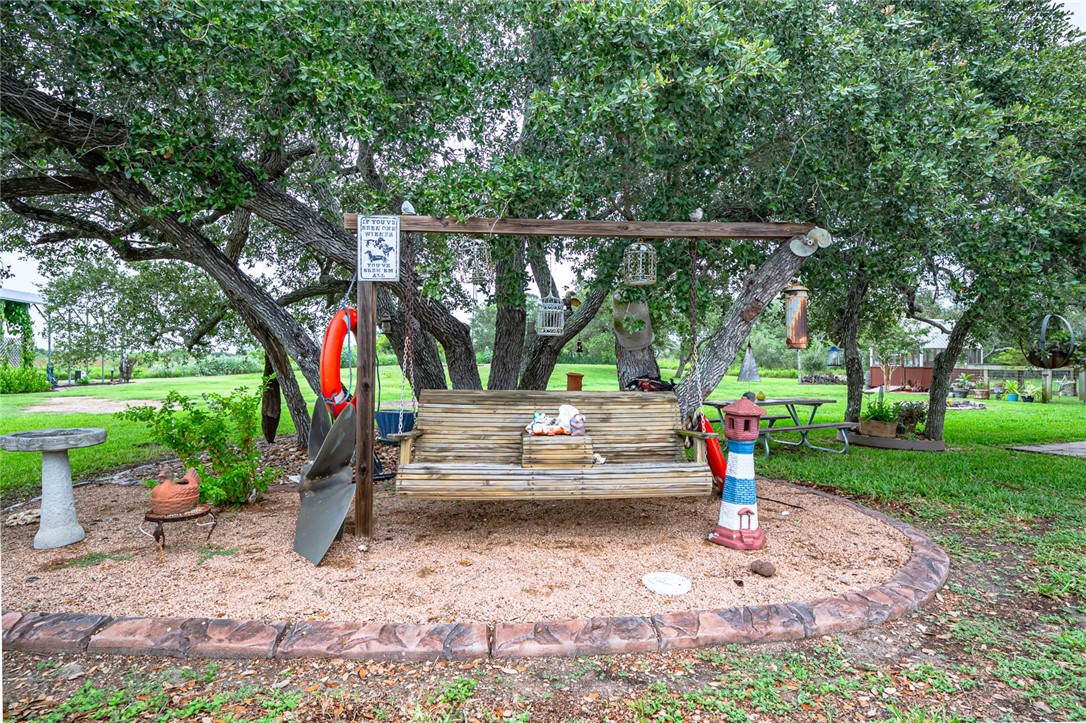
[603, 229]
[364, 391]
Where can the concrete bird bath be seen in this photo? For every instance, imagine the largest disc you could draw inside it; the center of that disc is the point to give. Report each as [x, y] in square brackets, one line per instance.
[59, 526]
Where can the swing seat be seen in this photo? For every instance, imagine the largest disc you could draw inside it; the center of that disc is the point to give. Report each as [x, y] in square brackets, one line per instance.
[470, 445]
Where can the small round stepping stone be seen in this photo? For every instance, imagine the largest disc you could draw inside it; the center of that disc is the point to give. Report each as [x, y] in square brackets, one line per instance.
[666, 583]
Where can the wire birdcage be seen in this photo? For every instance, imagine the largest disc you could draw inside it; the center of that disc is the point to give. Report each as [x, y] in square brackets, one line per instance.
[480, 266]
[639, 264]
[550, 319]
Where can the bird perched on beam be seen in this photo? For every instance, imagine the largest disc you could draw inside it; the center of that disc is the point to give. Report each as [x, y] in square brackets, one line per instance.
[407, 209]
[697, 214]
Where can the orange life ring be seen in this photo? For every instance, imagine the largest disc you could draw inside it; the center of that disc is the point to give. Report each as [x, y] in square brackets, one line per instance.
[335, 395]
[718, 465]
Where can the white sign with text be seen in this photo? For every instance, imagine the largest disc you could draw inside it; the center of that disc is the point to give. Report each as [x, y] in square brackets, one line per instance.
[378, 248]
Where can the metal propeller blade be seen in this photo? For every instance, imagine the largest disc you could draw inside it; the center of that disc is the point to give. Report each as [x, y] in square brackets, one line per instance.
[326, 487]
[318, 428]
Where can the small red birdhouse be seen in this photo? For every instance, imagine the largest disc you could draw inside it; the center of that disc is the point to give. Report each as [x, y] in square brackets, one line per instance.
[741, 420]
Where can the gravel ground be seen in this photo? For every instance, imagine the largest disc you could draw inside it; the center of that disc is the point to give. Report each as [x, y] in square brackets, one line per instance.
[443, 560]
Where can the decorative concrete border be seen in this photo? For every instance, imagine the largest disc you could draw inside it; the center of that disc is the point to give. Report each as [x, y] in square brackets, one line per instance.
[916, 445]
[913, 586]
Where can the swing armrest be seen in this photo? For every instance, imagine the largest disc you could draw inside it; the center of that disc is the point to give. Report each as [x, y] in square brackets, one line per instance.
[403, 436]
[407, 444]
[695, 435]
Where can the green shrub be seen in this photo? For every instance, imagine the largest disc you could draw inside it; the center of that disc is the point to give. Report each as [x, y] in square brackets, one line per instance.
[225, 430]
[880, 412]
[17, 380]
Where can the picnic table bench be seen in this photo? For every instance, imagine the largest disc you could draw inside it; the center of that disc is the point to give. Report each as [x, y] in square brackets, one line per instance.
[791, 405]
[472, 445]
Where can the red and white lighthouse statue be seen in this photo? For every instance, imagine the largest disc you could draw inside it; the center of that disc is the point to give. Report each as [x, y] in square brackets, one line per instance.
[738, 527]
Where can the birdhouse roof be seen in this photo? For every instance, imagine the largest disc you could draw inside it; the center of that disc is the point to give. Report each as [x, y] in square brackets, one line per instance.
[744, 408]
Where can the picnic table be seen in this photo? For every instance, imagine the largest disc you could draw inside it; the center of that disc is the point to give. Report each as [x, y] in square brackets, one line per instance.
[792, 407]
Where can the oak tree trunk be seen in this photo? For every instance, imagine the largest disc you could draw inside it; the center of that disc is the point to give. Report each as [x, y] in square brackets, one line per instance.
[511, 322]
[717, 354]
[850, 335]
[541, 353]
[634, 363]
[428, 371]
[943, 367]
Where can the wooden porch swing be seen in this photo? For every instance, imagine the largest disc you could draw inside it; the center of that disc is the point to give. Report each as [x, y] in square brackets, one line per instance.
[471, 444]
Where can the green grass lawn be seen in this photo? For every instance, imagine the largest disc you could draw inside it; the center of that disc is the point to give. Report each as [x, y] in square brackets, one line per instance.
[977, 477]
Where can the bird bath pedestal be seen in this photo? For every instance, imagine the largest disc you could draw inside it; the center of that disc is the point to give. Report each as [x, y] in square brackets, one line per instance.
[59, 526]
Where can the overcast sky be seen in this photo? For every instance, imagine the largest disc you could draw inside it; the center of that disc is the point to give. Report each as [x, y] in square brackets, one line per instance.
[27, 278]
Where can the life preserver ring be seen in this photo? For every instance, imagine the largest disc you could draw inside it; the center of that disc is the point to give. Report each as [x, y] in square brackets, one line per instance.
[335, 394]
[718, 465]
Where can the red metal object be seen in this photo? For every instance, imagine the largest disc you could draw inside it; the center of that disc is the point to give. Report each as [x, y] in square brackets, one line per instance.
[795, 316]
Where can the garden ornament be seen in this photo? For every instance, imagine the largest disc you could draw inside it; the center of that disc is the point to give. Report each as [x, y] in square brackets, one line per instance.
[566, 412]
[170, 498]
[749, 371]
[737, 526]
[327, 485]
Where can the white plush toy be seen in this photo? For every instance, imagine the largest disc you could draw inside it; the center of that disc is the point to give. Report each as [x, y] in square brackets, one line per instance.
[566, 412]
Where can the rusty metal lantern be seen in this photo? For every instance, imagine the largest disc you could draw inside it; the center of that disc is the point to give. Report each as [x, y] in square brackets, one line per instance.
[1051, 349]
[550, 319]
[639, 264]
[795, 316]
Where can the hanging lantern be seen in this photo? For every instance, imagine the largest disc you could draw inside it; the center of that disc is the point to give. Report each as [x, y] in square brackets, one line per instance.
[795, 316]
[639, 264]
[835, 357]
[1051, 348]
[385, 323]
[550, 320]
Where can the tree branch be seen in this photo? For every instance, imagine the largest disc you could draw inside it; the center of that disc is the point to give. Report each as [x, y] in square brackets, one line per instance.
[30, 186]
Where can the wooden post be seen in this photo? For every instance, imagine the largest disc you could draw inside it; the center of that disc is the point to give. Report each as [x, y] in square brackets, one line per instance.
[364, 390]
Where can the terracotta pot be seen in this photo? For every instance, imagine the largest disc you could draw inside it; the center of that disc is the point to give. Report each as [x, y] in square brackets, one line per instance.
[171, 497]
[982, 393]
[875, 428]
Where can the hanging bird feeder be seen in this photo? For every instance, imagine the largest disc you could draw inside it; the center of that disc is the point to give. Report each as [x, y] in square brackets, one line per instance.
[550, 320]
[1051, 348]
[639, 264]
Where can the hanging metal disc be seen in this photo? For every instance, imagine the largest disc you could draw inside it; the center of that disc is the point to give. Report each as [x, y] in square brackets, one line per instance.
[326, 488]
[803, 245]
[820, 236]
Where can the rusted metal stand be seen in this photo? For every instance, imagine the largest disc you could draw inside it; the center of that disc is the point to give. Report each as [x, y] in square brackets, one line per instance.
[159, 534]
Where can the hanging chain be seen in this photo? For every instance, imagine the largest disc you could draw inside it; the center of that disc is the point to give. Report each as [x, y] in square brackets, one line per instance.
[409, 328]
[695, 374]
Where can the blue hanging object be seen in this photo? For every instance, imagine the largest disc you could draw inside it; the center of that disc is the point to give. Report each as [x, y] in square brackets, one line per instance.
[749, 371]
[835, 357]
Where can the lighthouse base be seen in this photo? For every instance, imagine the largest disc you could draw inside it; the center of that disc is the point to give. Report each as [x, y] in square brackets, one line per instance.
[738, 539]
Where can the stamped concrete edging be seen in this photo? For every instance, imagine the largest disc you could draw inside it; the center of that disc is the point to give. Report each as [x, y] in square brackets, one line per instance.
[913, 586]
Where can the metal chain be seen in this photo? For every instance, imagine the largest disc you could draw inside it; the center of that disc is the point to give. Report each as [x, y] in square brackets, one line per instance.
[409, 329]
[694, 372]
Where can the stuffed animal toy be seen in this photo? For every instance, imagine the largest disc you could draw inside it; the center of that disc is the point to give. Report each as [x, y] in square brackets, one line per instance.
[577, 424]
[565, 414]
[538, 425]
